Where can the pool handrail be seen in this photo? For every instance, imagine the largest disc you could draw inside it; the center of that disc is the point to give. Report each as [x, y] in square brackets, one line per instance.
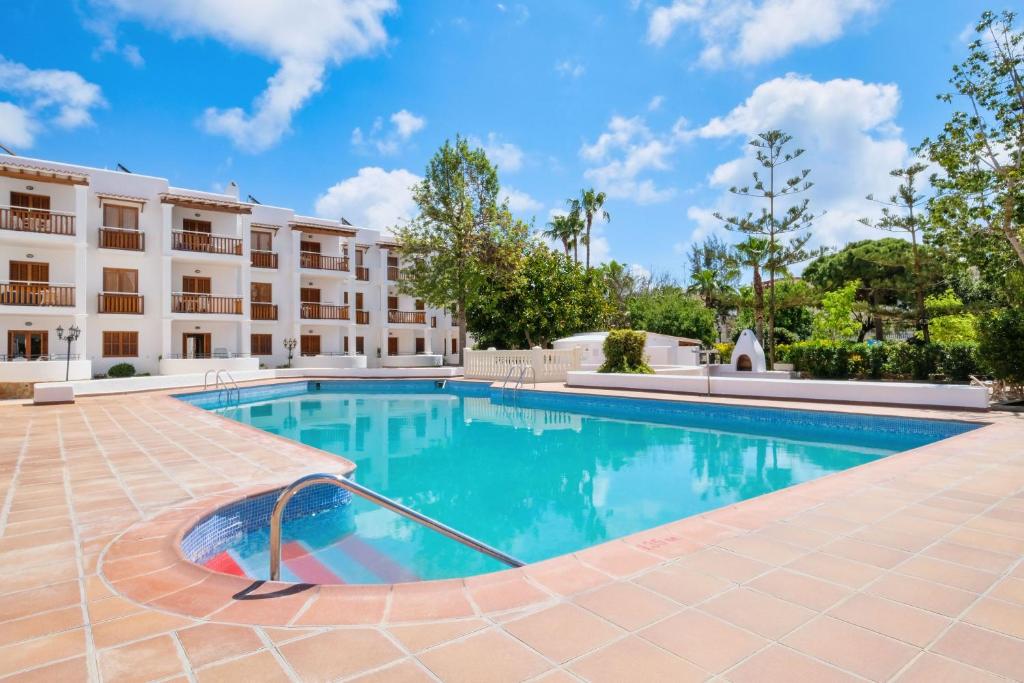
[368, 494]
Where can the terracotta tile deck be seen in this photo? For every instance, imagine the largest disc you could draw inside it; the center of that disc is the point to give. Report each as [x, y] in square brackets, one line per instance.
[909, 568]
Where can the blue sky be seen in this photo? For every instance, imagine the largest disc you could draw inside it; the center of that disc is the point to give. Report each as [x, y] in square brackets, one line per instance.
[651, 101]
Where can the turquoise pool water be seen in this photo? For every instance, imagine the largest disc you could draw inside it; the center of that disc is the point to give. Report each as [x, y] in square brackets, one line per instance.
[541, 476]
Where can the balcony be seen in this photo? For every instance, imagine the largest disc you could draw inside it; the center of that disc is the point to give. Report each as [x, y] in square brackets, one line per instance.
[311, 259]
[119, 238]
[187, 302]
[410, 317]
[263, 259]
[394, 272]
[119, 302]
[314, 311]
[186, 240]
[362, 317]
[37, 220]
[262, 311]
[36, 294]
[363, 273]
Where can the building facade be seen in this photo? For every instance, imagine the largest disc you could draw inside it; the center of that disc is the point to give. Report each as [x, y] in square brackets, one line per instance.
[174, 280]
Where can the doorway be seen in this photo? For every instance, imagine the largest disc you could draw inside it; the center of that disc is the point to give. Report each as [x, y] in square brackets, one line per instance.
[392, 346]
[195, 345]
[26, 344]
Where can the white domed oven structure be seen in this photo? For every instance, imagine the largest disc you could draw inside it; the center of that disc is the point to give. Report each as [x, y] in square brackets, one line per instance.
[748, 355]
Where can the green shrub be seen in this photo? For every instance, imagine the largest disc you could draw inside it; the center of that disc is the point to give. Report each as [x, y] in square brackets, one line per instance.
[999, 349]
[624, 352]
[725, 350]
[959, 361]
[121, 370]
[821, 358]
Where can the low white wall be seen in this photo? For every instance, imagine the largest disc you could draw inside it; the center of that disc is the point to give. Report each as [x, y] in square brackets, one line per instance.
[550, 365]
[44, 370]
[183, 366]
[188, 380]
[346, 362]
[420, 360]
[890, 393]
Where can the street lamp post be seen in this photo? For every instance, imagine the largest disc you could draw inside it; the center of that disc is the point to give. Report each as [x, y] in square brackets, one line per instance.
[71, 336]
[290, 344]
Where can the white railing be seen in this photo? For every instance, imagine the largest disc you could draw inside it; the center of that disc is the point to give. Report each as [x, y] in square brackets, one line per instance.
[551, 365]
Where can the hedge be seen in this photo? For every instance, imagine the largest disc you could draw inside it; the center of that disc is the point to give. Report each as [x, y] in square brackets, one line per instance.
[888, 360]
[624, 352]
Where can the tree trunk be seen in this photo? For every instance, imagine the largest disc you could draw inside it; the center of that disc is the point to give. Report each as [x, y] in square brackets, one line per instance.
[589, 219]
[922, 314]
[758, 305]
[879, 323]
[460, 320]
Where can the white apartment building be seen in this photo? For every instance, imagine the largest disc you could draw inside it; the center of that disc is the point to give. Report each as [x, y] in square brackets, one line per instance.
[174, 280]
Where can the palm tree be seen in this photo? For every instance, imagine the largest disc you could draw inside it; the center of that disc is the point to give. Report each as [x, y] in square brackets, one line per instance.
[560, 230]
[591, 203]
[755, 253]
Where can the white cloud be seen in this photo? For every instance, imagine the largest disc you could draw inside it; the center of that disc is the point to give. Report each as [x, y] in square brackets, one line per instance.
[655, 103]
[61, 98]
[756, 31]
[570, 68]
[303, 37]
[639, 272]
[17, 129]
[626, 150]
[404, 124]
[848, 128]
[519, 201]
[507, 156]
[520, 13]
[373, 198]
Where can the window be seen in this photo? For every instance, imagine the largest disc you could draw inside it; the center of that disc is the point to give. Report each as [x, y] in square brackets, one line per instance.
[419, 305]
[124, 217]
[29, 271]
[192, 225]
[392, 261]
[309, 295]
[359, 301]
[359, 346]
[195, 285]
[261, 344]
[420, 345]
[455, 345]
[261, 240]
[360, 255]
[393, 303]
[261, 292]
[120, 344]
[344, 343]
[309, 246]
[121, 280]
[30, 201]
[433, 321]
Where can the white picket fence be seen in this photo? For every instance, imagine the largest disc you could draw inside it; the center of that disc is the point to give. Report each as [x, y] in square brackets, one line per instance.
[550, 365]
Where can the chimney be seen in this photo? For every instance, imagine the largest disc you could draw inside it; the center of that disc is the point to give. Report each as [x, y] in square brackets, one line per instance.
[232, 189]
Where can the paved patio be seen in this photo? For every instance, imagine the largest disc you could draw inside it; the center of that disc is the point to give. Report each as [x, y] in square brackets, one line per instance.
[907, 568]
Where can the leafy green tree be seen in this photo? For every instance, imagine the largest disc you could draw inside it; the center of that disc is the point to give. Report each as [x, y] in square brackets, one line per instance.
[619, 285]
[773, 223]
[980, 201]
[548, 297]
[834, 321]
[884, 269]
[999, 336]
[902, 212]
[591, 204]
[714, 276]
[794, 318]
[464, 238]
[949, 321]
[668, 309]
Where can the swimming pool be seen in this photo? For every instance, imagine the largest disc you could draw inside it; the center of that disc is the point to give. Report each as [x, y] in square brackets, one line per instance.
[538, 475]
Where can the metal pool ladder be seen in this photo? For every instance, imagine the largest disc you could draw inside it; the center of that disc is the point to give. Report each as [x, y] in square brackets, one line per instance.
[222, 384]
[369, 494]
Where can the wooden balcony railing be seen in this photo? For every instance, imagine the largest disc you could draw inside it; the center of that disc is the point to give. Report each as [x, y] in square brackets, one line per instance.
[188, 302]
[186, 240]
[324, 311]
[362, 317]
[262, 311]
[118, 238]
[310, 259]
[120, 302]
[36, 294]
[413, 317]
[36, 220]
[362, 273]
[263, 259]
[394, 272]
